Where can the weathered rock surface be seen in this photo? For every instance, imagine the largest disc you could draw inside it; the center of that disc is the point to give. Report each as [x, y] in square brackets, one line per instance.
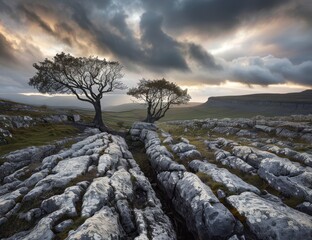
[96, 180]
[273, 156]
[272, 220]
[287, 178]
[233, 162]
[102, 225]
[205, 216]
[221, 175]
[292, 127]
[203, 212]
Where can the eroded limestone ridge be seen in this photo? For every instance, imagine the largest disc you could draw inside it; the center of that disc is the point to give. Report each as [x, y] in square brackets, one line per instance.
[221, 179]
[93, 190]
[236, 186]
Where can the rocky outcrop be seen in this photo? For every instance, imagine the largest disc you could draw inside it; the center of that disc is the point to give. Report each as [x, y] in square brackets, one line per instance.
[185, 151]
[192, 199]
[221, 175]
[287, 178]
[261, 169]
[269, 219]
[16, 160]
[96, 184]
[9, 122]
[292, 127]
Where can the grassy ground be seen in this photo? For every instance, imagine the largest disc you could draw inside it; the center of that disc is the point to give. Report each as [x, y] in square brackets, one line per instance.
[37, 135]
[123, 120]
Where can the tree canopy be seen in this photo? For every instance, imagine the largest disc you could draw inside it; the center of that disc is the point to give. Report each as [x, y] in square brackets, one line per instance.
[159, 95]
[88, 78]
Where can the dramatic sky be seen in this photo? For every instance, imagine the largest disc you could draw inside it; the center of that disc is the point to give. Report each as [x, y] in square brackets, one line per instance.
[211, 47]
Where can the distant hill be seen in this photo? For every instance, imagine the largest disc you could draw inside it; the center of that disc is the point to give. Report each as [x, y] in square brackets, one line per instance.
[265, 104]
[139, 106]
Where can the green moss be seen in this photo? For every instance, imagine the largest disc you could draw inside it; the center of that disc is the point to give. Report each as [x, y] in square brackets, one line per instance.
[13, 225]
[30, 170]
[235, 212]
[37, 135]
[140, 157]
[89, 176]
[293, 201]
[78, 221]
[133, 179]
[214, 186]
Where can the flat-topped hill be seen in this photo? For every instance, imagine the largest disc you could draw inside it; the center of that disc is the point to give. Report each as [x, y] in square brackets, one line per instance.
[264, 104]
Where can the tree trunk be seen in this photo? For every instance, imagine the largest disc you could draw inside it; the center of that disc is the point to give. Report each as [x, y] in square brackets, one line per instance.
[98, 120]
[150, 118]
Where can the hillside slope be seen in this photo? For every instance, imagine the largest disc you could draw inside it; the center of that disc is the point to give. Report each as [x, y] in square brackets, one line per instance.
[265, 104]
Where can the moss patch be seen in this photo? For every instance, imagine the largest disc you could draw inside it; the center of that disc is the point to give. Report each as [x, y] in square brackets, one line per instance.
[37, 135]
[214, 186]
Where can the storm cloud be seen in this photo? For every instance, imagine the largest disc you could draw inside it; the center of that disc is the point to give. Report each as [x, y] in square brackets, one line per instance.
[188, 41]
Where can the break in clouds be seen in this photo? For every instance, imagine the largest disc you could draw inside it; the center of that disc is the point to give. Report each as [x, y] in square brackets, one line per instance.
[178, 39]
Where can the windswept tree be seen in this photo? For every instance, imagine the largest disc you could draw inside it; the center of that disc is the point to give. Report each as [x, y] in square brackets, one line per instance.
[159, 95]
[87, 78]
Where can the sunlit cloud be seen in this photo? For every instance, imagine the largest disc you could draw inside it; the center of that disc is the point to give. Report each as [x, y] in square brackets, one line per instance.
[255, 46]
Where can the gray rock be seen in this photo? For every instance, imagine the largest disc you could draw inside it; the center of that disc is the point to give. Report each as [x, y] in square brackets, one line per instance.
[97, 195]
[271, 220]
[164, 163]
[184, 140]
[63, 225]
[103, 225]
[221, 194]
[284, 132]
[182, 147]
[246, 133]
[221, 175]
[201, 209]
[65, 202]
[6, 205]
[305, 207]
[189, 155]
[122, 184]
[236, 163]
[251, 155]
[226, 130]
[65, 171]
[21, 158]
[168, 140]
[286, 177]
[31, 215]
[264, 128]
[152, 224]
[42, 231]
[106, 161]
[76, 118]
[8, 200]
[35, 178]
[307, 137]
[126, 216]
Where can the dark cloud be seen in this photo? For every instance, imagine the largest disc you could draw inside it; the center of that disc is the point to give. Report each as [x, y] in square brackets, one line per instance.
[210, 16]
[161, 50]
[6, 52]
[4, 8]
[269, 70]
[33, 17]
[157, 37]
[302, 9]
[202, 57]
[116, 36]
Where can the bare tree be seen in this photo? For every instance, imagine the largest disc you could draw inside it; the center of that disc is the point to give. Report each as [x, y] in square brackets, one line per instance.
[87, 78]
[159, 95]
